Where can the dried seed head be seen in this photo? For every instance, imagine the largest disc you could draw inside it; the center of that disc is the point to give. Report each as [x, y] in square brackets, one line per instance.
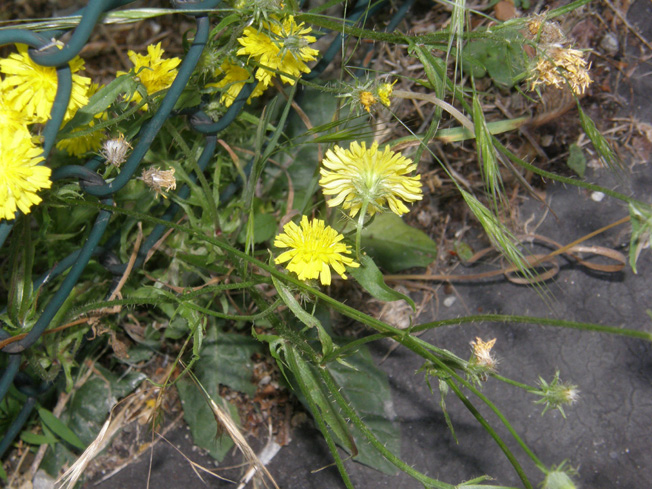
[115, 151]
[546, 31]
[158, 180]
[482, 353]
[561, 67]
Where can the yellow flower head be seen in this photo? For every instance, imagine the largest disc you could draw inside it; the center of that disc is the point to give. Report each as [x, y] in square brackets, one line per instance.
[367, 99]
[154, 73]
[234, 79]
[359, 175]
[20, 175]
[30, 88]
[561, 66]
[80, 145]
[314, 248]
[385, 92]
[282, 46]
[11, 120]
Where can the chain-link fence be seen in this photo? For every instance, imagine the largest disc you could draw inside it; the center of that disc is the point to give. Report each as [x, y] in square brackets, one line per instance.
[45, 52]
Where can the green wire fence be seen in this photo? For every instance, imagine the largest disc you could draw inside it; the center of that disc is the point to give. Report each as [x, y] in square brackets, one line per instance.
[45, 53]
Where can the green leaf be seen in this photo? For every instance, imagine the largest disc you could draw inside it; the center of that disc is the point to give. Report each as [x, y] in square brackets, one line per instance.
[100, 101]
[60, 429]
[371, 279]
[308, 319]
[92, 402]
[503, 60]
[201, 420]
[264, 228]
[576, 160]
[226, 360]
[367, 389]
[34, 439]
[641, 221]
[395, 246]
[464, 251]
[313, 388]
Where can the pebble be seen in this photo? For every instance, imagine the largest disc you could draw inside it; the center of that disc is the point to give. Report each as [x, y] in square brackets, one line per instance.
[597, 196]
[610, 43]
[449, 301]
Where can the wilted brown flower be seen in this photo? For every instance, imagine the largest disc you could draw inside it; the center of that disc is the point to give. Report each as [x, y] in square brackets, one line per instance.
[158, 180]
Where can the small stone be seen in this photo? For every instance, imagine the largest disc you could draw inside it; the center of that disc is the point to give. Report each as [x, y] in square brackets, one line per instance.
[610, 43]
[42, 481]
[597, 196]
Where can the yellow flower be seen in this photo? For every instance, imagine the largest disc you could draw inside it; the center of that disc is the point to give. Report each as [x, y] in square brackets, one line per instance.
[359, 175]
[561, 66]
[91, 141]
[234, 79]
[314, 248]
[281, 47]
[384, 92]
[11, 120]
[30, 88]
[154, 73]
[20, 175]
[80, 145]
[367, 100]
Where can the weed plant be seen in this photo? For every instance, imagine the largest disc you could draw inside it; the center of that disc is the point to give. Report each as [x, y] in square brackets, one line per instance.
[233, 188]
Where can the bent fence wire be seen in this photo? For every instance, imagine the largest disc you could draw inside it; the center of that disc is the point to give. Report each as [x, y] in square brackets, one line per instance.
[45, 53]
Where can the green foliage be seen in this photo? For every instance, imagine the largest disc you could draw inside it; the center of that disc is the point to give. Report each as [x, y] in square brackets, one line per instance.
[501, 57]
[576, 160]
[371, 279]
[641, 220]
[396, 246]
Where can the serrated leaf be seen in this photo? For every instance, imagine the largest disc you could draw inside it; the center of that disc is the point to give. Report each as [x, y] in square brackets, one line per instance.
[576, 160]
[100, 101]
[60, 429]
[395, 246]
[371, 279]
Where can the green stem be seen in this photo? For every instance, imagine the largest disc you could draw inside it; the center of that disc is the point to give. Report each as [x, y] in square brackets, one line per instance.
[350, 413]
[359, 226]
[559, 323]
[476, 414]
[515, 383]
[320, 422]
